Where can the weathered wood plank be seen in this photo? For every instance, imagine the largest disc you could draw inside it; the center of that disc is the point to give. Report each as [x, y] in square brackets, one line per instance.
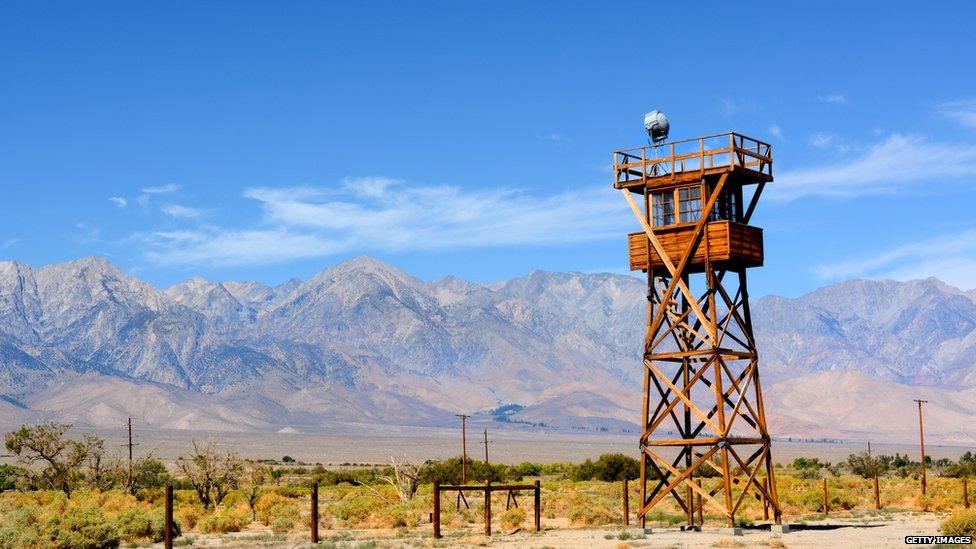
[727, 242]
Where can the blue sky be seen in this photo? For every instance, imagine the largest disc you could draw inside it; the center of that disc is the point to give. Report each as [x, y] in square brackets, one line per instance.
[266, 141]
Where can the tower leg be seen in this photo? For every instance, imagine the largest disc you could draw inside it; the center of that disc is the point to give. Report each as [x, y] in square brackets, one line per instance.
[702, 373]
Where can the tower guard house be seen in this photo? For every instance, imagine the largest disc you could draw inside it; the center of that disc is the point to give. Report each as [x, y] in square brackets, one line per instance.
[702, 406]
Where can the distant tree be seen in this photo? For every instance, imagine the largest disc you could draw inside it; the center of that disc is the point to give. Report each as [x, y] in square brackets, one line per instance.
[251, 484]
[866, 466]
[964, 468]
[449, 471]
[213, 474]
[287, 459]
[807, 463]
[808, 468]
[9, 475]
[405, 478]
[609, 467]
[524, 469]
[276, 475]
[149, 472]
[102, 470]
[54, 462]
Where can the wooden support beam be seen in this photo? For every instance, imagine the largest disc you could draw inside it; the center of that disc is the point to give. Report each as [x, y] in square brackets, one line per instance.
[437, 510]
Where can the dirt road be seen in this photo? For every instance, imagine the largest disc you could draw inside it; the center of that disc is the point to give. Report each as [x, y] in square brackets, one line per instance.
[885, 530]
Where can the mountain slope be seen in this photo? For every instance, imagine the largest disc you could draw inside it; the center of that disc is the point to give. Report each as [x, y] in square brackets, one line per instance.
[363, 341]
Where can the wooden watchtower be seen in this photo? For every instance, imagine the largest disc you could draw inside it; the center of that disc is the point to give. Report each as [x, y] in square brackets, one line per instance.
[702, 407]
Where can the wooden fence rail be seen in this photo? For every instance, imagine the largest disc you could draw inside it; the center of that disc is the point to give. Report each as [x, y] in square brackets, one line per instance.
[487, 488]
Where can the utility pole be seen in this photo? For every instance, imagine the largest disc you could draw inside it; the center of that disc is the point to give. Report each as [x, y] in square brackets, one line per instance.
[486, 446]
[130, 445]
[921, 439]
[464, 447]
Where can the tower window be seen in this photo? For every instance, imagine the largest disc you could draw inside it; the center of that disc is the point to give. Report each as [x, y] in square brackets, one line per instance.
[663, 208]
[689, 199]
[725, 207]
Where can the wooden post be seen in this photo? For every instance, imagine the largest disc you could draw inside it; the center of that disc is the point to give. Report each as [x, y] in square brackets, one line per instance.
[464, 448]
[826, 504]
[877, 494]
[765, 500]
[130, 485]
[168, 519]
[315, 512]
[921, 440]
[701, 510]
[965, 493]
[487, 507]
[437, 509]
[538, 507]
[626, 504]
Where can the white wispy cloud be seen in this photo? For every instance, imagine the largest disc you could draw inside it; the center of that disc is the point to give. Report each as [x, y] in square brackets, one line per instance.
[118, 201]
[821, 140]
[162, 189]
[835, 99]
[962, 111]
[775, 131]
[302, 222]
[554, 137]
[728, 106]
[950, 257]
[86, 233]
[887, 166]
[177, 210]
[231, 247]
[149, 192]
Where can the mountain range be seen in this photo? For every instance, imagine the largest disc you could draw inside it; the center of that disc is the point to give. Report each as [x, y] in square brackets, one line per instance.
[363, 342]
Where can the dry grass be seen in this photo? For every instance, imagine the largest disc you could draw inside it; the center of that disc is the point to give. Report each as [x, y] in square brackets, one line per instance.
[566, 504]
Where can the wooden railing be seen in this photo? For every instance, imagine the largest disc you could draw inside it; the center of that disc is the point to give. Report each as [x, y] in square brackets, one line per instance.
[487, 488]
[702, 154]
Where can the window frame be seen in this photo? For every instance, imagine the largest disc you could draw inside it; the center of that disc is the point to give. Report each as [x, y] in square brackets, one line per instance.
[729, 204]
[676, 205]
[658, 209]
[690, 200]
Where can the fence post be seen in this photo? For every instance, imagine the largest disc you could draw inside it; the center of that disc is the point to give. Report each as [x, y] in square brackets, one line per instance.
[965, 493]
[315, 512]
[538, 510]
[826, 504]
[626, 504]
[701, 507]
[437, 509]
[487, 507]
[877, 494]
[168, 518]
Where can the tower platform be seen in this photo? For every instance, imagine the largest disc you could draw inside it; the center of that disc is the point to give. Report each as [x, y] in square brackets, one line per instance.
[745, 159]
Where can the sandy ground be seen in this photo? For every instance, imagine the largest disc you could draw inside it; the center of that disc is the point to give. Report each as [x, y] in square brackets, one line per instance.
[375, 444]
[886, 530]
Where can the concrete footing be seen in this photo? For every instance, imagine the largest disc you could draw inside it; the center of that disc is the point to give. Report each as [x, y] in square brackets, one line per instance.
[730, 531]
[694, 528]
[780, 528]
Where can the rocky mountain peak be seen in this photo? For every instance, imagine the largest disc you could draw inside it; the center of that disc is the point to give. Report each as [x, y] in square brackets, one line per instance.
[364, 339]
[93, 281]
